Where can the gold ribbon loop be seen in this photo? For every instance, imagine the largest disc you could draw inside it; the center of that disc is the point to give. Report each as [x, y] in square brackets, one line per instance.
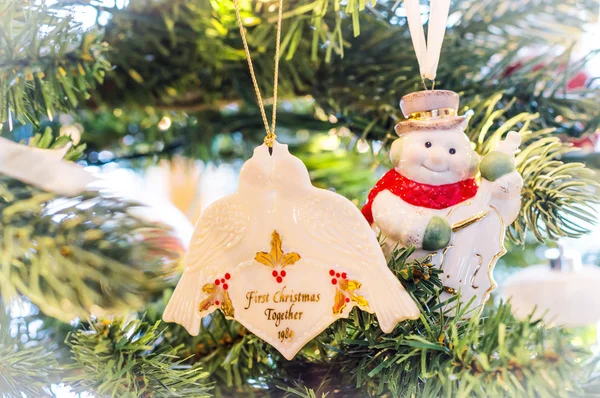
[270, 137]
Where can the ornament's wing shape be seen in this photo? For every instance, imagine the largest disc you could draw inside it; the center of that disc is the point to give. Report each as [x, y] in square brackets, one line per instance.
[343, 236]
[220, 228]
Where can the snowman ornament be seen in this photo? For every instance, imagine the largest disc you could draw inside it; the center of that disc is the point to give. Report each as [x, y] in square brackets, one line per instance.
[432, 199]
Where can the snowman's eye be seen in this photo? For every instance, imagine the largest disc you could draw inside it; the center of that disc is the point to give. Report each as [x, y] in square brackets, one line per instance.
[452, 151]
[428, 144]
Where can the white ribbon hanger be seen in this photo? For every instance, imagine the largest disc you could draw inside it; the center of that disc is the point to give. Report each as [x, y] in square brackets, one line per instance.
[428, 54]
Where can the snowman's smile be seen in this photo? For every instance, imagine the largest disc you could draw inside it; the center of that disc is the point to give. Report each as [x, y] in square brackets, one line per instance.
[434, 169]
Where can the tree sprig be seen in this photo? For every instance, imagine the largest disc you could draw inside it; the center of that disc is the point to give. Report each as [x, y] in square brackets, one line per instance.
[557, 197]
[49, 64]
[25, 369]
[120, 358]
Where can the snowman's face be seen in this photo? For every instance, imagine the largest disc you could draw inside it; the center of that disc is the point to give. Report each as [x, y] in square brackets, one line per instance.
[434, 157]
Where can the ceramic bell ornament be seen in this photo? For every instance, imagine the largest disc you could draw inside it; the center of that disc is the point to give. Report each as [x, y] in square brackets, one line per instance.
[433, 199]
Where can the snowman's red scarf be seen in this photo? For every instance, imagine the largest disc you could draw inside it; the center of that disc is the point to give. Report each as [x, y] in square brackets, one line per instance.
[418, 194]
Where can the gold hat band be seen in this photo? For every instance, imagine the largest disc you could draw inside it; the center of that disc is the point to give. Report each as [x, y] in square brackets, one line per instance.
[434, 113]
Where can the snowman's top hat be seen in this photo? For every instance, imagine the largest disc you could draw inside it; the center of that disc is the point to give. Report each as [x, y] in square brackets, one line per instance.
[430, 110]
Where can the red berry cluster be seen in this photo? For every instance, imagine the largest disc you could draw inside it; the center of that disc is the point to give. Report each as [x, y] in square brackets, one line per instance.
[279, 275]
[336, 277]
[223, 284]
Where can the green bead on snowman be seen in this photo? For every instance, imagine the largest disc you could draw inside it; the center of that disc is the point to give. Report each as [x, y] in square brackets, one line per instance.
[433, 200]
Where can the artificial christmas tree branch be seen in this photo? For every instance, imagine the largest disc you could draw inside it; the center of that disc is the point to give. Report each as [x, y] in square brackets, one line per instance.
[74, 255]
[25, 369]
[373, 73]
[557, 198]
[194, 55]
[44, 71]
[491, 355]
[71, 256]
[121, 358]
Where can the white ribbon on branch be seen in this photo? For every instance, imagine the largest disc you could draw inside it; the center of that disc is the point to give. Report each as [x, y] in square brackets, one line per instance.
[43, 168]
[428, 55]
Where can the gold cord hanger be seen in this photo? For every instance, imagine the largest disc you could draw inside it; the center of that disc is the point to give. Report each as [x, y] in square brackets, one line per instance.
[270, 137]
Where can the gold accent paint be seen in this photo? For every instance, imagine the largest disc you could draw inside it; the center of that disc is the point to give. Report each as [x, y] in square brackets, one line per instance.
[476, 271]
[216, 294]
[226, 305]
[443, 258]
[457, 226]
[434, 113]
[449, 290]
[339, 302]
[492, 262]
[350, 287]
[468, 202]
[276, 257]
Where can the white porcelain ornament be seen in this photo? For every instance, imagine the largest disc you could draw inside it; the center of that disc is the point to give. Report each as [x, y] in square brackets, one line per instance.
[285, 259]
[432, 200]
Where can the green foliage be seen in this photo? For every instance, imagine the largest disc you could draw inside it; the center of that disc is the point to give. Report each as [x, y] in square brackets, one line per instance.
[436, 355]
[483, 357]
[186, 55]
[120, 359]
[481, 56]
[73, 255]
[25, 369]
[48, 63]
[557, 197]
[48, 140]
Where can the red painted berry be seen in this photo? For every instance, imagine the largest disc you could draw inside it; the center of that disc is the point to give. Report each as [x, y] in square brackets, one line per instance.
[222, 280]
[227, 275]
[332, 272]
[344, 275]
[334, 281]
[279, 279]
[283, 273]
[225, 286]
[347, 300]
[217, 282]
[217, 302]
[337, 275]
[274, 273]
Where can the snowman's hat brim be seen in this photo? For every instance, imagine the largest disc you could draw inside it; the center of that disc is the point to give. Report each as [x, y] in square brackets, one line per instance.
[445, 123]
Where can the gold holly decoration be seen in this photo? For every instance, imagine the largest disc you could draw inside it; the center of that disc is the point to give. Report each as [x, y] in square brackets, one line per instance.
[346, 291]
[276, 258]
[218, 295]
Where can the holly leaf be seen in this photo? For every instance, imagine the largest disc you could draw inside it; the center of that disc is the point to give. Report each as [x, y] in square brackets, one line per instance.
[276, 251]
[339, 302]
[358, 299]
[289, 259]
[227, 306]
[350, 286]
[265, 259]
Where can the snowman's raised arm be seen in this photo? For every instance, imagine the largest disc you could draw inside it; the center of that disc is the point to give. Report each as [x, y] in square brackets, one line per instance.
[510, 144]
[502, 183]
[501, 161]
